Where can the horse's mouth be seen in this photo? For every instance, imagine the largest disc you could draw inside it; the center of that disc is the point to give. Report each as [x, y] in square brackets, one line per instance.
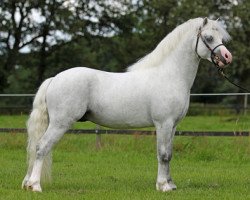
[219, 61]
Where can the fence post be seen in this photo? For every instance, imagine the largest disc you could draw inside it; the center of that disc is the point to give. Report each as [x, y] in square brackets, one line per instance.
[245, 104]
[98, 143]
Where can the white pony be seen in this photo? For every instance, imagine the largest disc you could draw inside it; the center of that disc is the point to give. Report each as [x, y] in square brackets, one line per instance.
[153, 92]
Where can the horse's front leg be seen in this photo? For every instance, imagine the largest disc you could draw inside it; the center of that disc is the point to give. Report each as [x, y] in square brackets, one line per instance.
[165, 133]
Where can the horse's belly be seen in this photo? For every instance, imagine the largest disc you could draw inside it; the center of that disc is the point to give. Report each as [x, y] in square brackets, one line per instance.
[119, 124]
[120, 118]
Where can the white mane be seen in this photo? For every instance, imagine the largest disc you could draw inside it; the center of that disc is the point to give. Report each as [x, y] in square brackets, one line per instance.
[166, 46]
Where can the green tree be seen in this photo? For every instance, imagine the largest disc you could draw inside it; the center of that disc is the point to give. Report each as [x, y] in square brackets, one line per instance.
[16, 32]
[109, 35]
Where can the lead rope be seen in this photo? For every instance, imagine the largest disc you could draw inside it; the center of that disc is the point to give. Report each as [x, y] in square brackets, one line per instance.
[221, 72]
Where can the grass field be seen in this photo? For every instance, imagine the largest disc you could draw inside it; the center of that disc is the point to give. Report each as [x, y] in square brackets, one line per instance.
[125, 167]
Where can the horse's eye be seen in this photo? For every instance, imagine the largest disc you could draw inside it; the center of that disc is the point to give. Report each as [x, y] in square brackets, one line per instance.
[209, 38]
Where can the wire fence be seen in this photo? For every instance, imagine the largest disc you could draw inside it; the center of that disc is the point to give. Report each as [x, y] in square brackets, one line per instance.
[98, 131]
[233, 101]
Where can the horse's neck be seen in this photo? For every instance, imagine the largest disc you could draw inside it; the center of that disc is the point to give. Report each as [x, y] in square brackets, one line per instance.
[183, 64]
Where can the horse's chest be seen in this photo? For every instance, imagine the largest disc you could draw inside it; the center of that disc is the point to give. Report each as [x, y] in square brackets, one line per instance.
[173, 106]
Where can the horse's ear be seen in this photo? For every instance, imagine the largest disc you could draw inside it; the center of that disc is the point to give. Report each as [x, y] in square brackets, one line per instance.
[205, 20]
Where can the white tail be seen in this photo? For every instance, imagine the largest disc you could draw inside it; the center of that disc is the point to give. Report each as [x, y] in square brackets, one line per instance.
[36, 126]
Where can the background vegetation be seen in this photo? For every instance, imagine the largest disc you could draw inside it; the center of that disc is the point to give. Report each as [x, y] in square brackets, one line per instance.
[38, 39]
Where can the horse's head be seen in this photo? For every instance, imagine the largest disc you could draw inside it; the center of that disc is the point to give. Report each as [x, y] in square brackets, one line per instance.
[212, 35]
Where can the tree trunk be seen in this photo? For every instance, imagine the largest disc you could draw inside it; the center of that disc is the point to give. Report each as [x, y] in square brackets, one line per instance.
[43, 57]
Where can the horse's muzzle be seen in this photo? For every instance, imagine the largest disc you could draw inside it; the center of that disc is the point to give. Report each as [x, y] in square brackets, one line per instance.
[222, 56]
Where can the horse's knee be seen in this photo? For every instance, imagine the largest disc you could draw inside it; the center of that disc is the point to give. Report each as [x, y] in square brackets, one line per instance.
[40, 151]
[48, 140]
[165, 156]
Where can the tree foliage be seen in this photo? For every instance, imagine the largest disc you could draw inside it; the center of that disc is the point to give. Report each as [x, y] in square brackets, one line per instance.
[38, 39]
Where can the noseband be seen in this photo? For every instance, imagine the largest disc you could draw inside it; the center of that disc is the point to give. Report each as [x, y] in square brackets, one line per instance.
[214, 57]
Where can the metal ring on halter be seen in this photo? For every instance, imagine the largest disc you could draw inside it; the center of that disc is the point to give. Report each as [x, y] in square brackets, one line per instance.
[214, 57]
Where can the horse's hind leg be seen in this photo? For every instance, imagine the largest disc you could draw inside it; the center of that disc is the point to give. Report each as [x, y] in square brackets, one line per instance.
[44, 146]
[165, 133]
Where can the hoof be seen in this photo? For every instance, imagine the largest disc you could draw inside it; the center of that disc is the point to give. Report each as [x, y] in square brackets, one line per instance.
[25, 181]
[165, 186]
[24, 184]
[35, 187]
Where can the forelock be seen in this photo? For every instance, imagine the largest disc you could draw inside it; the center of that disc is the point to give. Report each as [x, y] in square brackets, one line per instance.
[221, 28]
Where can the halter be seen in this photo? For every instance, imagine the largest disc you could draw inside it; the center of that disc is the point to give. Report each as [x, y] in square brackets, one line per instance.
[214, 57]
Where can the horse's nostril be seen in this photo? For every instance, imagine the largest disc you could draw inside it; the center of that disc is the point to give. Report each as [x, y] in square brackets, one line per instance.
[226, 55]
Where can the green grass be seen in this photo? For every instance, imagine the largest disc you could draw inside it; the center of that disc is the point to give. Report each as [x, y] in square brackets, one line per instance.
[125, 168]
[215, 123]
[189, 123]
